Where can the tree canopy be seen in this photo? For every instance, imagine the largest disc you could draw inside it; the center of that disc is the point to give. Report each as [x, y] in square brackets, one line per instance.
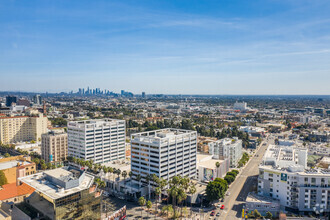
[216, 189]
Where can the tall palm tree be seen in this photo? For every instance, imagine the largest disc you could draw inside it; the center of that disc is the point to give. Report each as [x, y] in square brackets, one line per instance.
[149, 205]
[138, 178]
[217, 164]
[111, 170]
[158, 192]
[182, 196]
[118, 172]
[155, 181]
[148, 179]
[192, 191]
[142, 202]
[124, 174]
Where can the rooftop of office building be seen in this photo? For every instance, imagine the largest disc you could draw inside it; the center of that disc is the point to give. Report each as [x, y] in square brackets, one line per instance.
[94, 122]
[59, 182]
[162, 134]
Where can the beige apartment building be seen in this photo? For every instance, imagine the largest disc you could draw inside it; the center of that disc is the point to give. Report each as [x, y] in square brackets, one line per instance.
[54, 146]
[22, 128]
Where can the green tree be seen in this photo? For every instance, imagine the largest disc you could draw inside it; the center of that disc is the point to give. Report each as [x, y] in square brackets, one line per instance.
[142, 202]
[216, 189]
[43, 166]
[192, 191]
[157, 193]
[269, 215]
[256, 214]
[229, 179]
[149, 205]
[6, 155]
[124, 175]
[3, 178]
[234, 174]
[217, 164]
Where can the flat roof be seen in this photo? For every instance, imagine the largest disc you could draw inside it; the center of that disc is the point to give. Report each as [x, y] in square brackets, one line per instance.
[161, 134]
[252, 197]
[13, 163]
[58, 173]
[208, 163]
[40, 184]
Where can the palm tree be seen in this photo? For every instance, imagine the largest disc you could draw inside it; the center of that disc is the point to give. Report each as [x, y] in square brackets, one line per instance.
[148, 178]
[142, 202]
[118, 172]
[185, 184]
[158, 192]
[155, 180]
[149, 205]
[217, 164]
[138, 178]
[192, 191]
[182, 196]
[102, 184]
[111, 170]
[173, 191]
[162, 184]
[124, 174]
[105, 169]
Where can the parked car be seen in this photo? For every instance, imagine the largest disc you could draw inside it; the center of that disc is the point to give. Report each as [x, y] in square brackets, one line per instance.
[222, 207]
[212, 213]
[218, 214]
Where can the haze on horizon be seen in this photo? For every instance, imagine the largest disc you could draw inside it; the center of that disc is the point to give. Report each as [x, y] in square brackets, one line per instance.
[170, 47]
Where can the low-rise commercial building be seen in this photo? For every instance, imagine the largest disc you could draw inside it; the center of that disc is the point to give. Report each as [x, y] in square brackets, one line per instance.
[64, 193]
[16, 167]
[207, 169]
[262, 204]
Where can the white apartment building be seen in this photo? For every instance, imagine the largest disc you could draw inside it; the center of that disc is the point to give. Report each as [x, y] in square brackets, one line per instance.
[166, 153]
[100, 140]
[284, 156]
[227, 148]
[242, 106]
[283, 175]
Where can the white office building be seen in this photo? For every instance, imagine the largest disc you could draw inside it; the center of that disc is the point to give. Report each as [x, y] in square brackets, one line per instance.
[242, 106]
[227, 148]
[100, 140]
[283, 175]
[166, 153]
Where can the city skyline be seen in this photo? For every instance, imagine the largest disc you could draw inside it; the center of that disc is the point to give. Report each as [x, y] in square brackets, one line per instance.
[236, 47]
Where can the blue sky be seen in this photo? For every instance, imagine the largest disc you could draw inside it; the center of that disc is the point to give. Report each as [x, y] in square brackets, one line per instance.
[169, 46]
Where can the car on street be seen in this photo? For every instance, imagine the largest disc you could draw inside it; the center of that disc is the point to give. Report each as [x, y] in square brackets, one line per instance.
[212, 213]
[218, 214]
[222, 207]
